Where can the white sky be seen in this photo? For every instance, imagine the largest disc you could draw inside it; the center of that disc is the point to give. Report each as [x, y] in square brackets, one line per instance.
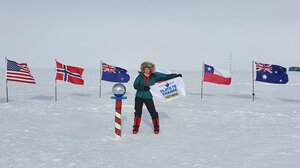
[174, 34]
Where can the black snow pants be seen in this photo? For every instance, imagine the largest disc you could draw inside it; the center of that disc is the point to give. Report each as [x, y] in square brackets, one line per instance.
[149, 104]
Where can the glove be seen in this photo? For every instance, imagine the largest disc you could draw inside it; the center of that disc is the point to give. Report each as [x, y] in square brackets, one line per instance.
[146, 88]
[179, 75]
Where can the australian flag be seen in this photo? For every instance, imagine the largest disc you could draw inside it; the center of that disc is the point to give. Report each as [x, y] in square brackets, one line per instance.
[114, 74]
[271, 73]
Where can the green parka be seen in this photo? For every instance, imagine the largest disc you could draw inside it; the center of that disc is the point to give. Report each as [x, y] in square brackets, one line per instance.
[139, 84]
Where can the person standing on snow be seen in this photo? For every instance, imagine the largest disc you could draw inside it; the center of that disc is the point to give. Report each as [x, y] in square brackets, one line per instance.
[146, 78]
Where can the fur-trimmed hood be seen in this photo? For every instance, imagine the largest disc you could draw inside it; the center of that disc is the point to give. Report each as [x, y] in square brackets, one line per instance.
[148, 64]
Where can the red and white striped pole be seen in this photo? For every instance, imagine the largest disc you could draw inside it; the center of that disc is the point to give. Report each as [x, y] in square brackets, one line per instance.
[118, 90]
[118, 119]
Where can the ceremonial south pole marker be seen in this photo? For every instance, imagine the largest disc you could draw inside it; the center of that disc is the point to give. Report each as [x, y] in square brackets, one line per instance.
[118, 90]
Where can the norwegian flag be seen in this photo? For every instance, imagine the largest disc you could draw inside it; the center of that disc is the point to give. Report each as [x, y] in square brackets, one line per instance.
[69, 73]
[18, 72]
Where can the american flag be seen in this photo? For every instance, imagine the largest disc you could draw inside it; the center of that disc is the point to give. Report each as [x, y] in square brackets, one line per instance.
[18, 72]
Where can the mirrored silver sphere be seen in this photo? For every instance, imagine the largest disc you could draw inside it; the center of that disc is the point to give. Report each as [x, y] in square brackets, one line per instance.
[119, 90]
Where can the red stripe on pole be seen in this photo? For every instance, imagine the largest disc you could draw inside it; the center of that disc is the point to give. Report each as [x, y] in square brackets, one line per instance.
[118, 120]
[118, 132]
[118, 106]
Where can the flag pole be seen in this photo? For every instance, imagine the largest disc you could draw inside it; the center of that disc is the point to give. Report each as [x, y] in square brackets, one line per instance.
[253, 93]
[100, 88]
[55, 90]
[6, 81]
[55, 84]
[202, 80]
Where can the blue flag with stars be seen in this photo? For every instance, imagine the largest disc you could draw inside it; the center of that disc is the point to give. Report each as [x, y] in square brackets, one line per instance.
[114, 74]
[271, 73]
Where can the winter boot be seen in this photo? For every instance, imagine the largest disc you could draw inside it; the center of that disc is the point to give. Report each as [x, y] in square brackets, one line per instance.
[136, 126]
[155, 122]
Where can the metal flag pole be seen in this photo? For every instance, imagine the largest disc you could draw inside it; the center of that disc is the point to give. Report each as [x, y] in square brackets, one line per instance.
[6, 81]
[202, 80]
[253, 93]
[100, 88]
[55, 90]
[55, 84]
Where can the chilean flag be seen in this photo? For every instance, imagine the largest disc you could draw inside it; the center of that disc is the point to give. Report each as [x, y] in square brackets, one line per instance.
[215, 75]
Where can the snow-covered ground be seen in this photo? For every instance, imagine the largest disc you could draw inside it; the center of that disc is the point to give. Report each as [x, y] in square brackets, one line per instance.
[225, 129]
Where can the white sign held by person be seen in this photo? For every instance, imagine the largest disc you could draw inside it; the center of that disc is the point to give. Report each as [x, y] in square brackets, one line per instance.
[168, 90]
